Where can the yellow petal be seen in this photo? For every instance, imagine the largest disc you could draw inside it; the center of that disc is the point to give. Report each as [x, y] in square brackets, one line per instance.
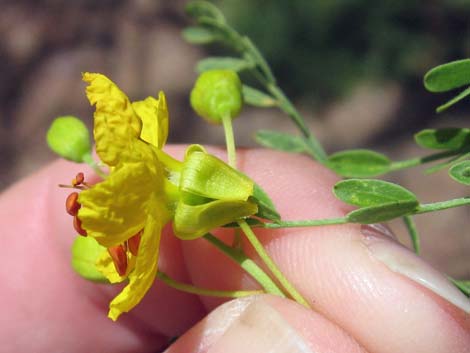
[115, 209]
[115, 124]
[105, 265]
[145, 270]
[154, 116]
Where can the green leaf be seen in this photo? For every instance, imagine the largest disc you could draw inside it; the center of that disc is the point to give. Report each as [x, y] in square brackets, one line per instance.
[257, 98]
[280, 141]
[381, 213]
[204, 9]
[359, 163]
[454, 100]
[223, 63]
[448, 76]
[460, 172]
[199, 35]
[266, 207]
[444, 139]
[371, 192]
[379, 200]
[85, 253]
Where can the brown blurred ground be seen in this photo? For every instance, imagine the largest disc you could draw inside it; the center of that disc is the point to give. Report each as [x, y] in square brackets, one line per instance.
[45, 45]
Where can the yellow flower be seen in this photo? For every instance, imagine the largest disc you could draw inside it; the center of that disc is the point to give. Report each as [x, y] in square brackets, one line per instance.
[146, 189]
[126, 212]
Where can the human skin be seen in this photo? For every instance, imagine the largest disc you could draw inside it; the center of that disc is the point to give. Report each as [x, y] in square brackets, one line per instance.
[360, 302]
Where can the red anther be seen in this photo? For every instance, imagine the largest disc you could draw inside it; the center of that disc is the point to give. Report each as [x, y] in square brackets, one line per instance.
[118, 254]
[79, 179]
[133, 243]
[71, 204]
[77, 224]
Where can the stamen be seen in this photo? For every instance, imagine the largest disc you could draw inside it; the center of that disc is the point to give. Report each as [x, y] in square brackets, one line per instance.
[79, 179]
[118, 254]
[133, 243]
[77, 224]
[71, 204]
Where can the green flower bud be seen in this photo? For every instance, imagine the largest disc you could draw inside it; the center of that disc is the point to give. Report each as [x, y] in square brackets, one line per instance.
[69, 138]
[217, 94]
[85, 253]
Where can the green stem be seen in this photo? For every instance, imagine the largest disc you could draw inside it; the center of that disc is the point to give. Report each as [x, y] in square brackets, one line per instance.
[247, 264]
[230, 141]
[305, 223]
[421, 160]
[315, 149]
[204, 291]
[413, 231]
[443, 205]
[88, 159]
[271, 265]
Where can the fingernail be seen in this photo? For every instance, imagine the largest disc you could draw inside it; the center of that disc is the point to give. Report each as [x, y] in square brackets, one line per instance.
[401, 260]
[260, 328]
[377, 230]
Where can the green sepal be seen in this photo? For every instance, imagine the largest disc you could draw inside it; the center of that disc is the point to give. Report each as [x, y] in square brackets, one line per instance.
[192, 222]
[460, 172]
[252, 222]
[68, 136]
[444, 139]
[205, 175]
[266, 208]
[359, 163]
[85, 253]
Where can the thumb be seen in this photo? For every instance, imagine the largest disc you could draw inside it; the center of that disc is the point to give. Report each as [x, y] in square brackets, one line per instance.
[264, 324]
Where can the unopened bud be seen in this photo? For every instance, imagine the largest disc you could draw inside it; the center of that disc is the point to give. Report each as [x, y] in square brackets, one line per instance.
[217, 94]
[69, 138]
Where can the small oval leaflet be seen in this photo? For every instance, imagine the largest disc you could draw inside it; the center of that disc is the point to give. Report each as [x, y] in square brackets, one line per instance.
[448, 76]
[444, 139]
[223, 63]
[379, 200]
[280, 141]
[460, 172]
[255, 97]
[359, 163]
[199, 35]
[204, 9]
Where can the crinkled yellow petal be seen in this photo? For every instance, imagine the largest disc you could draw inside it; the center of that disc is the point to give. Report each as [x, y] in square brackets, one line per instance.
[115, 123]
[114, 210]
[145, 270]
[154, 115]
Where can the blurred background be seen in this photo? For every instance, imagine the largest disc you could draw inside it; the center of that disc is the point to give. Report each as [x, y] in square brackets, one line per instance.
[353, 68]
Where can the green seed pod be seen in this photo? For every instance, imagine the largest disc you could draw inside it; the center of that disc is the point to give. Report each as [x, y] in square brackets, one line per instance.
[217, 94]
[68, 136]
